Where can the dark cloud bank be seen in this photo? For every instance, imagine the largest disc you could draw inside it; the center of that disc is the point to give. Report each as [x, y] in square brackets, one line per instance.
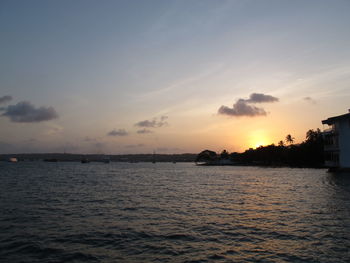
[119, 132]
[242, 107]
[24, 111]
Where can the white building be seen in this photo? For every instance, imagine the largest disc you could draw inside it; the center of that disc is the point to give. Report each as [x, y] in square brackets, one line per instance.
[337, 141]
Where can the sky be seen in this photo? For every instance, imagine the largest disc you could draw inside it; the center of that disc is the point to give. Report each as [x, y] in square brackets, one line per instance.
[119, 77]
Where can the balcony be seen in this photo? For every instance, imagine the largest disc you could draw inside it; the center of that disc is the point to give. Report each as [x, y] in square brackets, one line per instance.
[329, 163]
[331, 141]
[331, 147]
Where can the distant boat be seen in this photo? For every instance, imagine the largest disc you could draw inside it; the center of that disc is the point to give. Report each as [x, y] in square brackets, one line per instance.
[154, 157]
[13, 160]
[85, 160]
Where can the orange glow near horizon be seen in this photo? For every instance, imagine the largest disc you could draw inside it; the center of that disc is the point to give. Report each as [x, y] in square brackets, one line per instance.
[258, 138]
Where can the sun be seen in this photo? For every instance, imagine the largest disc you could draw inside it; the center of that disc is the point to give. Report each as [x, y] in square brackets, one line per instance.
[257, 139]
[260, 143]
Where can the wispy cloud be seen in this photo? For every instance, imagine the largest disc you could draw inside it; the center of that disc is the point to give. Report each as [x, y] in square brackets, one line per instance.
[119, 132]
[242, 107]
[154, 123]
[144, 131]
[89, 139]
[24, 111]
[53, 129]
[310, 100]
[5, 99]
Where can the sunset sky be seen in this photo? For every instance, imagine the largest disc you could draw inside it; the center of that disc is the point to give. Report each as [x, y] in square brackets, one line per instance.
[169, 76]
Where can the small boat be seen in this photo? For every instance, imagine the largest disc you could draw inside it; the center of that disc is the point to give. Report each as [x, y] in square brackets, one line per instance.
[154, 157]
[13, 160]
[84, 160]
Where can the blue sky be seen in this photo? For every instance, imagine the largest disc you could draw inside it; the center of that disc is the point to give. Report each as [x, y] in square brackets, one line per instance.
[106, 65]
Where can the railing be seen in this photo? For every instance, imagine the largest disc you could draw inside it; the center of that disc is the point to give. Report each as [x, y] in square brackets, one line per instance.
[331, 163]
[331, 147]
[330, 130]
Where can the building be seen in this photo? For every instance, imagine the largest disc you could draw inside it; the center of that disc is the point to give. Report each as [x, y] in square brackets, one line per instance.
[337, 141]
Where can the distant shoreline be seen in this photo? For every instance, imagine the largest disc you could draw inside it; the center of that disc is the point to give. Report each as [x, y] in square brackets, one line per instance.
[67, 157]
[136, 158]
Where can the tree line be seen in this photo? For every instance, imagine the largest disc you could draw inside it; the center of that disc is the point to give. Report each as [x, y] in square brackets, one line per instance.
[308, 153]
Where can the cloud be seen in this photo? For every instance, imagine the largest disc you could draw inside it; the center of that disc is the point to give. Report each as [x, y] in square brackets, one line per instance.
[144, 131]
[310, 100]
[242, 107]
[88, 139]
[261, 98]
[163, 118]
[5, 99]
[24, 111]
[53, 129]
[119, 132]
[146, 123]
[154, 123]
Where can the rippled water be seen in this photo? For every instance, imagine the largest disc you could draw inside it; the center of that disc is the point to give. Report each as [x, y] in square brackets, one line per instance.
[69, 212]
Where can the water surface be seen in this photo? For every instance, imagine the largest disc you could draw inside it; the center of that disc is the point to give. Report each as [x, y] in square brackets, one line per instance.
[143, 212]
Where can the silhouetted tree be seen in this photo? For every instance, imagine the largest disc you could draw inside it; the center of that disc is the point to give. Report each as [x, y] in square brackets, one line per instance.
[313, 136]
[289, 139]
[206, 156]
[309, 153]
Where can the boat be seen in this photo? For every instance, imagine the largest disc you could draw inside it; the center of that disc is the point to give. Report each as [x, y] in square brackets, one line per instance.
[13, 160]
[154, 157]
[85, 160]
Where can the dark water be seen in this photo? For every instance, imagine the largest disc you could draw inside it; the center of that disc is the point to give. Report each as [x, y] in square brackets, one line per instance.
[68, 212]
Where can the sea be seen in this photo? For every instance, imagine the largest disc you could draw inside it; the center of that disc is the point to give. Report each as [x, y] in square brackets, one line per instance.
[166, 212]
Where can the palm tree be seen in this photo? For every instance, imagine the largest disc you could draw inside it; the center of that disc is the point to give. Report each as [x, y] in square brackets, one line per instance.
[281, 143]
[289, 139]
[312, 136]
